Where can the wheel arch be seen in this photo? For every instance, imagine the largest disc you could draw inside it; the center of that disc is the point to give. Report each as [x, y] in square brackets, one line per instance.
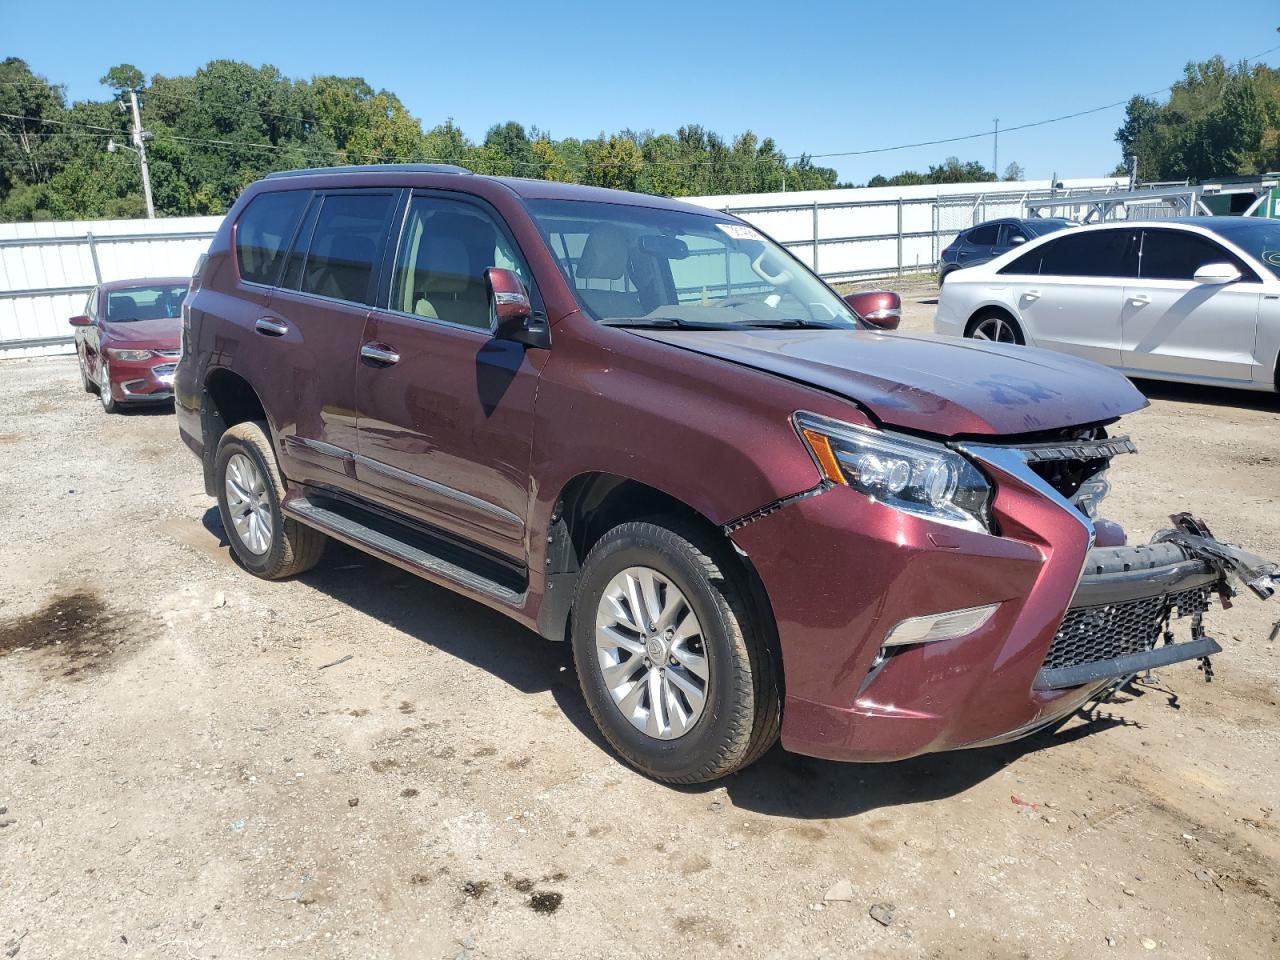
[991, 308]
[593, 503]
[229, 399]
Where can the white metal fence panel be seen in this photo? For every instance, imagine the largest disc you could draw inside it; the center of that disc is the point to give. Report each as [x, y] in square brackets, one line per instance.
[47, 269]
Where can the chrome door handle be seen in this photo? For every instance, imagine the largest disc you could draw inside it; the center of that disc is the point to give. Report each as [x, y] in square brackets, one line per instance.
[1141, 299]
[272, 328]
[1031, 295]
[379, 353]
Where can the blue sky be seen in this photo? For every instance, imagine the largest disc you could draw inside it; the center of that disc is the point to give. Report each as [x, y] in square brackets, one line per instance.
[818, 77]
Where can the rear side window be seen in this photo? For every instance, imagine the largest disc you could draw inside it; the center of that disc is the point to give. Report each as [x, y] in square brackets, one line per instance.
[1105, 253]
[263, 233]
[346, 246]
[1177, 255]
[983, 236]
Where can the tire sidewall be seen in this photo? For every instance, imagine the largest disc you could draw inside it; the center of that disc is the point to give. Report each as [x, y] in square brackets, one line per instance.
[683, 756]
[259, 564]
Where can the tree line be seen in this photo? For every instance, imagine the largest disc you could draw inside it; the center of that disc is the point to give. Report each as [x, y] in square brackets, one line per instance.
[1218, 120]
[217, 130]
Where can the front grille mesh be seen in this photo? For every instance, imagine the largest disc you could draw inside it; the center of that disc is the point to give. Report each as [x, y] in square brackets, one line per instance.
[1090, 634]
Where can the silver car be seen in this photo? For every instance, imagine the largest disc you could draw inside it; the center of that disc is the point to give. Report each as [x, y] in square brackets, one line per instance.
[1195, 300]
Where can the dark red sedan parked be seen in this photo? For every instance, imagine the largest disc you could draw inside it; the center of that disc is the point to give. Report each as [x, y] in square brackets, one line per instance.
[128, 340]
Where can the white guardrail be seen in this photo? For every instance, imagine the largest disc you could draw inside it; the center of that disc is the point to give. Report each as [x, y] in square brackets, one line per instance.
[46, 269]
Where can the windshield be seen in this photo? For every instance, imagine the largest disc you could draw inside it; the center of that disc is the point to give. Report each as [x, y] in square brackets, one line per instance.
[641, 266]
[1042, 225]
[145, 303]
[1256, 236]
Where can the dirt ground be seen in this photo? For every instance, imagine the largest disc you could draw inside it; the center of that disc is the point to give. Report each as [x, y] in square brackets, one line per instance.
[181, 775]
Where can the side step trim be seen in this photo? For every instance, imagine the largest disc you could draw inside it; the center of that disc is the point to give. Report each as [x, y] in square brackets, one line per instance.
[351, 531]
[1059, 678]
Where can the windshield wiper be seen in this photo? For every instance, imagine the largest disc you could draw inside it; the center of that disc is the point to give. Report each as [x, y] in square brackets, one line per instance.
[666, 322]
[796, 322]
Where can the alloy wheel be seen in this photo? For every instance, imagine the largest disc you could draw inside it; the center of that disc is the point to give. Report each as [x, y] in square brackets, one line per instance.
[996, 329]
[249, 503]
[651, 653]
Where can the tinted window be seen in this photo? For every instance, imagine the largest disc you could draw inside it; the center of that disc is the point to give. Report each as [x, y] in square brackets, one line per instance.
[145, 303]
[1009, 234]
[1028, 263]
[983, 236]
[446, 247]
[346, 246]
[264, 231]
[1176, 255]
[1105, 253]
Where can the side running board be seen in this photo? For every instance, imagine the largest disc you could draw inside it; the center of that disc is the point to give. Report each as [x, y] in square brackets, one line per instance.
[411, 548]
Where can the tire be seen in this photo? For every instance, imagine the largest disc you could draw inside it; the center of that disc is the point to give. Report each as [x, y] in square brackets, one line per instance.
[942, 277]
[741, 711]
[89, 385]
[109, 403]
[290, 547]
[995, 326]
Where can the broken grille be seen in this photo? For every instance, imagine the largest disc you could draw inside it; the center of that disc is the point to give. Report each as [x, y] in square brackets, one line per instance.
[1091, 634]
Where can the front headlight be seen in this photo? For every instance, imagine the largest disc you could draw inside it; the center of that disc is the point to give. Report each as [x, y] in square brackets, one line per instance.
[115, 354]
[915, 476]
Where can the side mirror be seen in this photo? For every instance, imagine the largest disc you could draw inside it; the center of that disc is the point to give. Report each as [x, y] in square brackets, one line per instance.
[1016, 239]
[80, 321]
[511, 310]
[1217, 273]
[879, 308]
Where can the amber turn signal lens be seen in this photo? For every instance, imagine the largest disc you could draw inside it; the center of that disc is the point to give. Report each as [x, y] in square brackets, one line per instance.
[821, 448]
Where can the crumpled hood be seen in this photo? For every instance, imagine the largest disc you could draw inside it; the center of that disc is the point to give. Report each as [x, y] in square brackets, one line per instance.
[162, 333]
[939, 385]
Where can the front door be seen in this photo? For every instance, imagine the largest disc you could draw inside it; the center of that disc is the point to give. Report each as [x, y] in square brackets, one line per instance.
[445, 410]
[311, 333]
[1173, 325]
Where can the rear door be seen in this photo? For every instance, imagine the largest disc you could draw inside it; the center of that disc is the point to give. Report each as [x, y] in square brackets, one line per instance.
[310, 333]
[1073, 304]
[445, 409]
[1173, 325]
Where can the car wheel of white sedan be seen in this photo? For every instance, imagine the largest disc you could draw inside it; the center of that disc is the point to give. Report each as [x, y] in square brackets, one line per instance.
[997, 326]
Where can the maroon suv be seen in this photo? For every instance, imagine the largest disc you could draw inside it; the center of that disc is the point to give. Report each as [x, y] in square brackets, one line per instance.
[645, 428]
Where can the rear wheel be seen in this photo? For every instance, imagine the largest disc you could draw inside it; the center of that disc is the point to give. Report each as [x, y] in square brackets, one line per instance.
[266, 542]
[996, 326]
[673, 664]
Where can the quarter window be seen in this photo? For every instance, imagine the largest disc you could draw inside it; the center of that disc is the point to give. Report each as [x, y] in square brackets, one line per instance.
[1177, 255]
[346, 246]
[263, 233]
[446, 247]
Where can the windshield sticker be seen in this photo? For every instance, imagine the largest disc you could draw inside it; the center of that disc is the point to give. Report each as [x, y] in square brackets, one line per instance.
[1272, 257]
[740, 231]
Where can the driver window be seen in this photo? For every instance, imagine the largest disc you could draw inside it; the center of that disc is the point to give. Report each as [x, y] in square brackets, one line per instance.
[444, 251]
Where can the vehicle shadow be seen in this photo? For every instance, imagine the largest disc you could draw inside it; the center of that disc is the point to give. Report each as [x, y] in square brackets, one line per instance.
[1209, 396]
[781, 784]
[163, 408]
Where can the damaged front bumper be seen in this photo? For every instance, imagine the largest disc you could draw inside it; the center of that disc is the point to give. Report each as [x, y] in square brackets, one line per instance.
[1070, 619]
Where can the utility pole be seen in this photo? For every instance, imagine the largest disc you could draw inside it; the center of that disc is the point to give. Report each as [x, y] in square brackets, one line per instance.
[995, 150]
[140, 138]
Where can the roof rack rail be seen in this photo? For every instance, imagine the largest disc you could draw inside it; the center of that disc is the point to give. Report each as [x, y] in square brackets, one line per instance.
[372, 168]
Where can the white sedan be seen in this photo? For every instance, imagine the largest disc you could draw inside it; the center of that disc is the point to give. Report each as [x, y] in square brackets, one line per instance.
[1195, 299]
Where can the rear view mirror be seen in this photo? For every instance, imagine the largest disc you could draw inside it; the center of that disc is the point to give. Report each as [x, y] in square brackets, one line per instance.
[80, 321]
[879, 308]
[1217, 273]
[511, 311]
[664, 247]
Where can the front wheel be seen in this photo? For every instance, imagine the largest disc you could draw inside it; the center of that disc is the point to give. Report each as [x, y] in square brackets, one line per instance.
[996, 326]
[109, 403]
[266, 542]
[673, 662]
